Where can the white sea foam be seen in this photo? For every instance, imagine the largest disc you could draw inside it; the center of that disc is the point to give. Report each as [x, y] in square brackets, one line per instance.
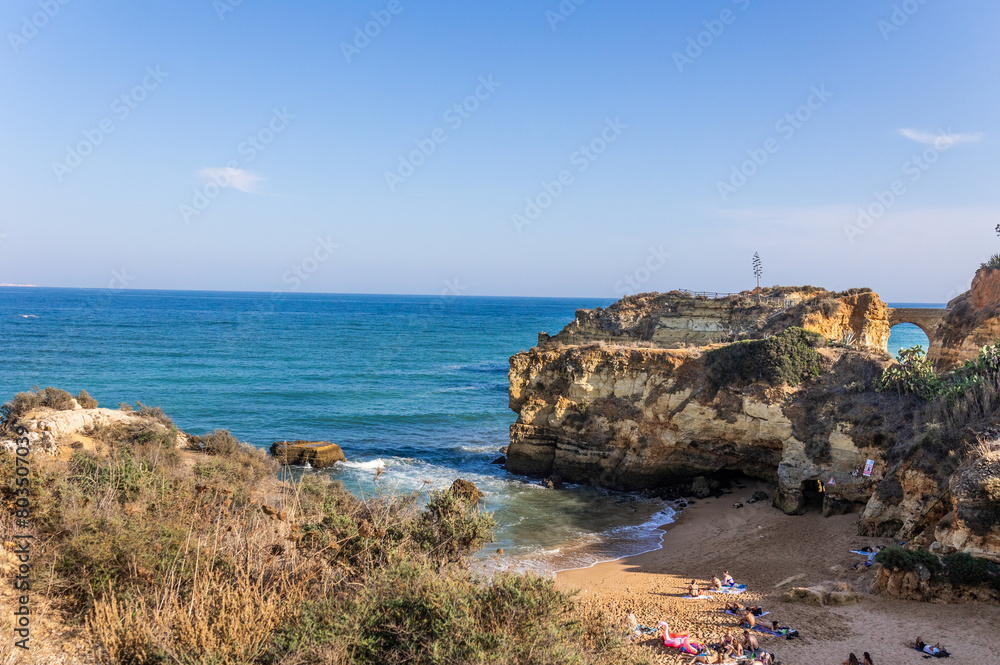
[372, 465]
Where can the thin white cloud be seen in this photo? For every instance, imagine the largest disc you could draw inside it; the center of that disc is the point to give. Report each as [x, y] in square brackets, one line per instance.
[941, 138]
[225, 176]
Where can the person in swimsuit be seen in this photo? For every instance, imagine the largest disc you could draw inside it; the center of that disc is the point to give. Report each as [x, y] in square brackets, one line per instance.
[750, 642]
[867, 659]
[693, 589]
[852, 660]
[748, 619]
[735, 608]
[727, 579]
[765, 659]
[716, 584]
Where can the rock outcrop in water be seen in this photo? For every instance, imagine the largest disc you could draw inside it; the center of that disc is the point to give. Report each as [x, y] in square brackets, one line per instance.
[318, 454]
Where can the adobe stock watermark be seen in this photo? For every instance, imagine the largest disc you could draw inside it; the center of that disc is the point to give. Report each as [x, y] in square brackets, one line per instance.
[786, 128]
[121, 108]
[900, 16]
[223, 7]
[363, 35]
[631, 283]
[299, 273]
[884, 199]
[701, 42]
[562, 13]
[455, 116]
[233, 175]
[31, 25]
[580, 160]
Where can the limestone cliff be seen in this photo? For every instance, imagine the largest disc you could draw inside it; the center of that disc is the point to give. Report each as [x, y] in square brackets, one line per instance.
[631, 418]
[606, 402]
[941, 493]
[679, 319]
[971, 322]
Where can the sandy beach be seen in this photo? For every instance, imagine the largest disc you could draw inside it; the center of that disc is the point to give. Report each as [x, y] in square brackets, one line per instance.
[772, 552]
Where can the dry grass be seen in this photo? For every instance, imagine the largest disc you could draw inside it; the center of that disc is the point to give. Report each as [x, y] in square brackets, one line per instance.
[207, 557]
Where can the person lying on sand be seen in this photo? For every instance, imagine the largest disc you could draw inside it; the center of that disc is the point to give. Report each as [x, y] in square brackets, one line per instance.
[757, 611]
[735, 608]
[693, 589]
[748, 619]
[788, 632]
[764, 659]
[727, 579]
[707, 658]
[934, 650]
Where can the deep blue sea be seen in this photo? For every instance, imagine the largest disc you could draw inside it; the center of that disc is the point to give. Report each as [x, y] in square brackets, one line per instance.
[416, 385]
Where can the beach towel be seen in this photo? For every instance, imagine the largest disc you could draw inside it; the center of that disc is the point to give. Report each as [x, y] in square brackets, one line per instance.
[733, 590]
[762, 614]
[697, 597]
[862, 553]
[781, 632]
[942, 654]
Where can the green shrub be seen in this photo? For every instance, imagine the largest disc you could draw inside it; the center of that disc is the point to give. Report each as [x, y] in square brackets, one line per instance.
[85, 400]
[22, 403]
[450, 529]
[154, 412]
[786, 358]
[219, 442]
[897, 558]
[991, 263]
[966, 570]
[413, 613]
[914, 375]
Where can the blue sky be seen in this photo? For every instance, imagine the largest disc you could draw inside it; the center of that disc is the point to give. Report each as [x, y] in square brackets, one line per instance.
[598, 148]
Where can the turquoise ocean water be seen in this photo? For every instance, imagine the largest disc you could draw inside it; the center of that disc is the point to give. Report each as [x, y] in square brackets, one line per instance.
[416, 385]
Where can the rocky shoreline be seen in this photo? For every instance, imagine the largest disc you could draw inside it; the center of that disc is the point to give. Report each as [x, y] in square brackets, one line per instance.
[660, 390]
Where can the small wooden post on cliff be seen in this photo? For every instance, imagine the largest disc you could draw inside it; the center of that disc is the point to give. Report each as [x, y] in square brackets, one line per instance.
[757, 272]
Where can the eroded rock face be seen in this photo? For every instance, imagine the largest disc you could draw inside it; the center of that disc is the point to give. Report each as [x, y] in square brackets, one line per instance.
[862, 317]
[678, 320]
[631, 418]
[972, 321]
[942, 496]
[318, 454]
[49, 429]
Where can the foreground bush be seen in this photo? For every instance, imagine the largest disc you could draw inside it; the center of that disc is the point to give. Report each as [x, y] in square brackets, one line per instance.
[217, 561]
[22, 403]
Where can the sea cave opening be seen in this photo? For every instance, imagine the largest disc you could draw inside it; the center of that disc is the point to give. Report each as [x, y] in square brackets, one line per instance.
[813, 492]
